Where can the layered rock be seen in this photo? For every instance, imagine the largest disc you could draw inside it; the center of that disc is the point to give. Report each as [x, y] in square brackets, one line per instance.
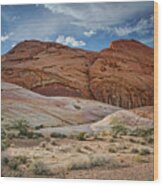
[19, 103]
[120, 75]
[49, 68]
[123, 74]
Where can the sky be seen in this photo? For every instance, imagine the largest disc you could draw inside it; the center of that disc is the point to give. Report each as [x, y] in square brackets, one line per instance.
[90, 26]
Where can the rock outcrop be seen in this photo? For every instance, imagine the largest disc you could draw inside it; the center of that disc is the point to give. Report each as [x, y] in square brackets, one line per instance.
[120, 75]
[123, 74]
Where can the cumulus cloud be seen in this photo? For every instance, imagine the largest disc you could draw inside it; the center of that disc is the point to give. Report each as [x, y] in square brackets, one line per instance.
[6, 37]
[89, 33]
[69, 40]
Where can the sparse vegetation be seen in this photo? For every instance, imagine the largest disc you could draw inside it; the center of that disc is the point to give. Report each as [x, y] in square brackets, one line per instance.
[22, 126]
[141, 132]
[112, 150]
[140, 159]
[134, 150]
[39, 127]
[122, 130]
[4, 161]
[5, 143]
[15, 162]
[39, 168]
[144, 151]
[119, 130]
[77, 107]
[81, 136]
[87, 162]
[11, 166]
[57, 135]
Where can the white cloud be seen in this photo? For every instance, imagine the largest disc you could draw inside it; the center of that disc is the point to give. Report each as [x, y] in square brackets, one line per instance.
[142, 27]
[6, 37]
[69, 40]
[89, 33]
[100, 16]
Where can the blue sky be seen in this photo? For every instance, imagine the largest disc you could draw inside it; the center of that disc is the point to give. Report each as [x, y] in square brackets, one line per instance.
[90, 26]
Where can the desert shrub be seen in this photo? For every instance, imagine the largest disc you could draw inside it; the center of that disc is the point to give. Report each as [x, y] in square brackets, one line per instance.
[119, 130]
[80, 163]
[77, 107]
[53, 142]
[3, 133]
[57, 135]
[81, 136]
[34, 135]
[15, 162]
[140, 159]
[134, 150]
[39, 127]
[5, 143]
[149, 139]
[98, 160]
[11, 135]
[4, 161]
[22, 126]
[39, 168]
[87, 162]
[11, 173]
[112, 140]
[142, 132]
[133, 140]
[144, 151]
[112, 150]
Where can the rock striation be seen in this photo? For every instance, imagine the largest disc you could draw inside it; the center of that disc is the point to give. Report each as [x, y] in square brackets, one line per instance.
[120, 75]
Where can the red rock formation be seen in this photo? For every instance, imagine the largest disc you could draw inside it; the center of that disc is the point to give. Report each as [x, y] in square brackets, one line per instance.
[121, 75]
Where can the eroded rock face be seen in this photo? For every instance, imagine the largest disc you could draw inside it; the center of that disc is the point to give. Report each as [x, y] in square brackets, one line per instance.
[49, 68]
[121, 75]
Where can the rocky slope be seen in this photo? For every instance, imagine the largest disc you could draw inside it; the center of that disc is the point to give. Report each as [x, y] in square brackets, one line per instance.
[120, 75]
[21, 104]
